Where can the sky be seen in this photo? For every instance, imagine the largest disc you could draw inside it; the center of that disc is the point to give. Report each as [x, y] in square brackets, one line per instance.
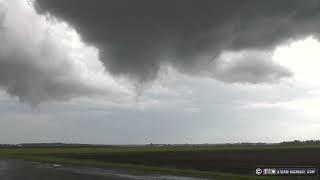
[169, 71]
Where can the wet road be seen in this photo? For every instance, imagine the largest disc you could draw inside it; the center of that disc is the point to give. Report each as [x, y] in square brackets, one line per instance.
[23, 170]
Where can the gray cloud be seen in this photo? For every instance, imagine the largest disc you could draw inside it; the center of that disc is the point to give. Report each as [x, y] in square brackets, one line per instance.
[136, 37]
[248, 67]
[33, 84]
[36, 66]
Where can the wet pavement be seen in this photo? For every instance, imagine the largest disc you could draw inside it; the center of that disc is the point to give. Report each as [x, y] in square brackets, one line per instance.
[23, 170]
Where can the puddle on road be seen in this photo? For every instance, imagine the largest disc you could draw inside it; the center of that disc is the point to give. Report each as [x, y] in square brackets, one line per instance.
[120, 174]
[82, 171]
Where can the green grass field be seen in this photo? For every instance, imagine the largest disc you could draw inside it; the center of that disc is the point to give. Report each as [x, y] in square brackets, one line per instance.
[216, 162]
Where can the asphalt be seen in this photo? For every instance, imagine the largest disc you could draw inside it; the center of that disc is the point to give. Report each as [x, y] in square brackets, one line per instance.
[11, 169]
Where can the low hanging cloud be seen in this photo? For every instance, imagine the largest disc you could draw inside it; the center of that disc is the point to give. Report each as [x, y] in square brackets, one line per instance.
[136, 38]
[37, 65]
[61, 49]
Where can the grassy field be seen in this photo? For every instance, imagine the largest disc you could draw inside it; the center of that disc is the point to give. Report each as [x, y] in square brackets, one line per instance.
[217, 162]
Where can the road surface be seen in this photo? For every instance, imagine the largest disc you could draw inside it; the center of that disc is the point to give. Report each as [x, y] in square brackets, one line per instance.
[23, 170]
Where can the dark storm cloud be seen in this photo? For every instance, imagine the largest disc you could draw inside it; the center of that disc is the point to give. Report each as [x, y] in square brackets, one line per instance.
[135, 37]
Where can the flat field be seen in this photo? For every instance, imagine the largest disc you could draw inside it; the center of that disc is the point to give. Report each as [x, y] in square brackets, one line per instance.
[217, 162]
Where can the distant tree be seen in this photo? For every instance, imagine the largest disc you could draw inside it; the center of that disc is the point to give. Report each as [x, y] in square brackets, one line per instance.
[300, 142]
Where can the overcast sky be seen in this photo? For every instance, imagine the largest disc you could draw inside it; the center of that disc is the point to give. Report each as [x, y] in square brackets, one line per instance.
[162, 71]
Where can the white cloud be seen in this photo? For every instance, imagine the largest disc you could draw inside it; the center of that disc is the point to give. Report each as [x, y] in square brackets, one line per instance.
[303, 58]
